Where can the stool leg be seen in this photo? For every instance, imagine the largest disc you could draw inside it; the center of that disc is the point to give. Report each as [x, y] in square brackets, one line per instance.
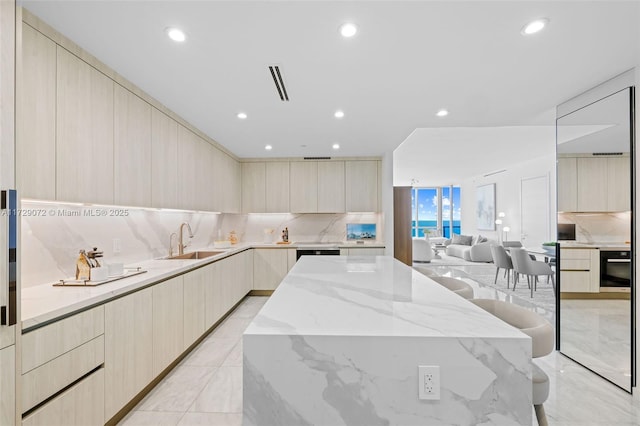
[495, 280]
[540, 415]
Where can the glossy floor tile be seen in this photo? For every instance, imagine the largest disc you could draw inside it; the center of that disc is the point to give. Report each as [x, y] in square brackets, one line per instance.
[206, 387]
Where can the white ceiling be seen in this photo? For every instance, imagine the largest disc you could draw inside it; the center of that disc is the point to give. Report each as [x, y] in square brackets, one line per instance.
[408, 60]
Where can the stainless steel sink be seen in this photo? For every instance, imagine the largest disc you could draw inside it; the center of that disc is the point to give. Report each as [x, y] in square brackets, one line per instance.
[194, 255]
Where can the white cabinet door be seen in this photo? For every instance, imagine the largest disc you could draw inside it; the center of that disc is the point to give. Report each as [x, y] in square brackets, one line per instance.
[253, 187]
[132, 149]
[331, 187]
[7, 385]
[36, 117]
[567, 184]
[618, 183]
[194, 304]
[592, 184]
[361, 186]
[269, 268]
[168, 323]
[277, 187]
[128, 331]
[303, 186]
[365, 251]
[291, 258]
[84, 132]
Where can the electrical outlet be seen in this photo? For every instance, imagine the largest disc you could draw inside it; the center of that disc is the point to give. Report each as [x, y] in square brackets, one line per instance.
[429, 382]
[117, 248]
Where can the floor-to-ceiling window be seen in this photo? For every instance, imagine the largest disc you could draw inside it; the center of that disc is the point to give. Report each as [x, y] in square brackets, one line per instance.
[436, 210]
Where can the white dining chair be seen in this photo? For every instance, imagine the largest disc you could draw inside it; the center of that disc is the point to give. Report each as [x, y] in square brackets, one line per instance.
[523, 264]
[501, 260]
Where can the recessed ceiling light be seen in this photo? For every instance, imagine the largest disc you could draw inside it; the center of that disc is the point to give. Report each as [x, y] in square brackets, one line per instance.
[336, 146]
[338, 114]
[242, 115]
[268, 147]
[176, 34]
[442, 113]
[534, 26]
[348, 30]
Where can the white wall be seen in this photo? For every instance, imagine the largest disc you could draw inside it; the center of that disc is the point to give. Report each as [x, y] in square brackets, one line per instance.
[508, 196]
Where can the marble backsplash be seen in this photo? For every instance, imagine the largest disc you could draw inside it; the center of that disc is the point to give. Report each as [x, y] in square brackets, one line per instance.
[53, 233]
[599, 227]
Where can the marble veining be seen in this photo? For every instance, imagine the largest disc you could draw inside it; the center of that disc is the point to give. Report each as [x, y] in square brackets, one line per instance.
[599, 227]
[50, 241]
[352, 333]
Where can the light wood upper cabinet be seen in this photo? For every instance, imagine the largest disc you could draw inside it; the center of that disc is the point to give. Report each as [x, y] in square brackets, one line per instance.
[567, 184]
[132, 149]
[168, 323]
[164, 165]
[592, 184]
[36, 117]
[187, 170]
[303, 186]
[331, 187]
[84, 132]
[618, 183]
[361, 179]
[253, 187]
[206, 188]
[128, 331]
[227, 178]
[277, 187]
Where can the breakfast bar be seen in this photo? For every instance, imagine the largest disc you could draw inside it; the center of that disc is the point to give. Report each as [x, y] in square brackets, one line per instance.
[342, 338]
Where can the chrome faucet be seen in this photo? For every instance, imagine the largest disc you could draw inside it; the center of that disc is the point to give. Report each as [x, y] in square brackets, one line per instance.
[180, 232]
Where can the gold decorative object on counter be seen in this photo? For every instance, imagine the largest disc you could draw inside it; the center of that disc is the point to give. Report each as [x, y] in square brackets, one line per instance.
[233, 238]
[83, 267]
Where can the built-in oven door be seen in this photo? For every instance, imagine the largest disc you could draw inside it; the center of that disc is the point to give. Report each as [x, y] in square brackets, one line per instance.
[615, 269]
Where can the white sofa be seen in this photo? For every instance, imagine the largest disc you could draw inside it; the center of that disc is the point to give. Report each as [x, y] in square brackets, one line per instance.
[479, 252]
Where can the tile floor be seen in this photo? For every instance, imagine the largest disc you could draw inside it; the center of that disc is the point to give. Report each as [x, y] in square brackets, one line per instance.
[206, 387]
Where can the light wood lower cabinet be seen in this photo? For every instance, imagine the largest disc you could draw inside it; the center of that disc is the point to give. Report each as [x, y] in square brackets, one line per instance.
[194, 304]
[80, 405]
[168, 323]
[50, 378]
[128, 348]
[269, 268]
[7, 385]
[579, 270]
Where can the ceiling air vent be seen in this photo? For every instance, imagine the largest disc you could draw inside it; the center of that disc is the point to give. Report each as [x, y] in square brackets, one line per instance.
[606, 153]
[279, 82]
[317, 158]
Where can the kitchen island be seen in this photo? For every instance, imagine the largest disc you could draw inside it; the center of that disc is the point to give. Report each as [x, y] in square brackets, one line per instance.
[341, 339]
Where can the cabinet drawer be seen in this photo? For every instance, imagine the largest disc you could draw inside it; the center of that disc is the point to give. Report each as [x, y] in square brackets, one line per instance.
[44, 381]
[80, 405]
[575, 254]
[575, 281]
[51, 341]
[575, 265]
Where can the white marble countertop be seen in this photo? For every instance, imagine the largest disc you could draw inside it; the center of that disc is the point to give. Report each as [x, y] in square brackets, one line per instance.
[45, 303]
[370, 296]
